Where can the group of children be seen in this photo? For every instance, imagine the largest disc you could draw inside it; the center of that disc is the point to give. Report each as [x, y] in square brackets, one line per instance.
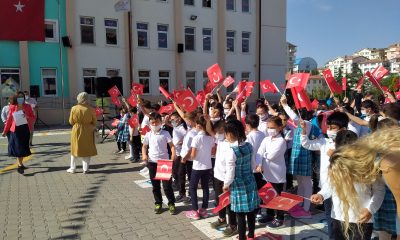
[237, 151]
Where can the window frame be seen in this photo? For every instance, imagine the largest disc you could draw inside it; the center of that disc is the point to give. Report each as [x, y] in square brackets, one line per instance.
[230, 38]
[42, 77]
[161, 32]
[112, 28]
[246, 39]
[202, 3]
[148, 78]
[234, 5]
[93, 29]
[147, 34]
[187, 78]
[194, 38]
[89, 76]
[54, 23]
[168, 79]
[211, 39]
[249, 6]
[192, 5]
[112, 69]
[232, 86]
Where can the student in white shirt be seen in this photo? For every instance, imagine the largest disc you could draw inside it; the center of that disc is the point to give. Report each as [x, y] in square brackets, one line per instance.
[135, 142]
[271, 159]
[156, 142]
[262, 113]
[336, 122]
[201, 156]
[288, 134]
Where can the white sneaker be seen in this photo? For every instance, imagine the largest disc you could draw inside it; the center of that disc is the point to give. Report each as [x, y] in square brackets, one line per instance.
[128, 157]
[144, 170]
[122, 151]
[70, 170]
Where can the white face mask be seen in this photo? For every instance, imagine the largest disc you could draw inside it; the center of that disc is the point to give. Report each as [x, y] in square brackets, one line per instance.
[263, 117]
[174, 124]
[331, 134]
[272, 132]
[226, 111]
[364, 112]
[155, 128]
[220, 136]
[215, 119]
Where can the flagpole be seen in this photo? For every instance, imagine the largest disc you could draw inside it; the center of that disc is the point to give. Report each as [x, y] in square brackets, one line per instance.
[61, 61]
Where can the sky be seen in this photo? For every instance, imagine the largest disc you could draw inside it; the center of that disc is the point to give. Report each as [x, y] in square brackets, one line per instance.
[326, 29]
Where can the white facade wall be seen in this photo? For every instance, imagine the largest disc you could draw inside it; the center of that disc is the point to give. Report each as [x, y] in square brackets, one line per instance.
[369, 66]
[99, 56]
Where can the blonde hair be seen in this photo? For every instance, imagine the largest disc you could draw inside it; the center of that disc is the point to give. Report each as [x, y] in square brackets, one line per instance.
[82, 98]
[359, 163]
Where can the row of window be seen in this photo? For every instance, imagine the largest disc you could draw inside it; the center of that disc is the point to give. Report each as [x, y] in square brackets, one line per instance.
[87, 31]
[230, 4]
[190, 38]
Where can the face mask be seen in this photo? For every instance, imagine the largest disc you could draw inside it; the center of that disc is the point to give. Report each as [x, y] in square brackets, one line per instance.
[26, 96]
[364, 112]
[220, 136]
[215, 119]
[20, 100]
[331, 134]
[155, 128]
[174, 124]
[263, 117]
[272, 132]
[226, 111]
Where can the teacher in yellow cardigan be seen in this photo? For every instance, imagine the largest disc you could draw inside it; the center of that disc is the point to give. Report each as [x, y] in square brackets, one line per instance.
[83, 120]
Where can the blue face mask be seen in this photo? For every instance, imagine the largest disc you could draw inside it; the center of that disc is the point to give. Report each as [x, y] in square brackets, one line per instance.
[20, 101]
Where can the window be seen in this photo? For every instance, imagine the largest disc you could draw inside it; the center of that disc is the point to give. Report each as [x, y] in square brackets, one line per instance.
[89, 80]
[230, 41]
[245, 76]
[245, 42]
[230, 5]
[232, 86]
[87, 30]
[162, 36]
[144, 78]
[191, 81]
[190, 38]
[245, 6]
[111, 26]
[10, 81]
[207, 38]
[189, 2]
[164, 79]
[205, 79]
[112, 72]
[49, 81]
[51, 31]
[143, 40]
[207, 3]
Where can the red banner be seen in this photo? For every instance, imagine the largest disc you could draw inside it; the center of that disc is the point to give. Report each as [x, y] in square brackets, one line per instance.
[133, 121]
[116, 101]
[114, 92]
[267, 193]
[228, 81]
[201, 97]
[268, 86]
[298, 80]
[332, 84]
[115, 122]
[132, 100]
[187, 101]
[98, 111]
[22, 20]
[360, 82]
[284, 202]
[145, 130]
[164, 170]
[315, 104]
[344, 84]
[165, 93]
[301, 99]
[168, 109]
[137, 88]
[379, 72]
[373, 80]
[214, 74]
[224, 200]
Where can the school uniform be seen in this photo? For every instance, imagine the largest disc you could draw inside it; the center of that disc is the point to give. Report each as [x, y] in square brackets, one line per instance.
[288, 133]
[186, 168]
[178, 133]
[201, 168]
[385, 217]
[123, 132]
[255, 138]
[157, 146]
[135, 143]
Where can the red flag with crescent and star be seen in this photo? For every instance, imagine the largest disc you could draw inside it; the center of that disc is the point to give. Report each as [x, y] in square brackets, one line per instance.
[332, 84]
[228, 81]
[98, 111]
[114, 92]
[22, 20]
[301, 99]
[201, 97]
[145, 130]
[133, 121]
[298, 80]
[373, 80]
[187, 101]
[224, 200]
[344, 83]
[268, 86]
[379, 72]
[115, 122]
[214, 74]
[168, 109]
[164, 170]
[137, 88]
[132, 100]
[165, 93]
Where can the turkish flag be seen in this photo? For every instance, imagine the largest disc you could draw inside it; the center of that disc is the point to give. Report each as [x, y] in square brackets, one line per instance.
[315, 104]
[268, 86]
[360, 82]
[165, 92]
[228, 81]
[133, 121]
[22, 20]
[187, 101]
[137, 88]
[145, 130]
[116, 101]
[168, 109]
[214, 74]
[344, 84]
[284, 202]
[132, 100]
[209, 87]
[177, 93]
[298, 80]
[164, 170]
[249, 88]
[332, 84]
[267, 193]
[301, 99]
[115, 122]
[324, 125]
[398, 95]
[379, 72]
[201, 97]
[224, 200]
[373, 80]
[114, 92]
[98, 111]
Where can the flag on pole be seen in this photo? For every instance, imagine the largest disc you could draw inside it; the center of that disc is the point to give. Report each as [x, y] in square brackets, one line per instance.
[165, 93]
[137, 88]
[268, 86]
[379, 72]
[344, 84]
[214, 74]
[122, 6]
[301, 99]
[228, 81]
[298, 80]
[332, 84]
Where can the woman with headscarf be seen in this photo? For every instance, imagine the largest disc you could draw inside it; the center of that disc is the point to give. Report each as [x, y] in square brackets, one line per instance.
[19, 121]
[83, 121]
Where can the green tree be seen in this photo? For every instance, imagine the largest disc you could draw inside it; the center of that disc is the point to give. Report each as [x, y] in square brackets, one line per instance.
[320, 93]
[314, 72]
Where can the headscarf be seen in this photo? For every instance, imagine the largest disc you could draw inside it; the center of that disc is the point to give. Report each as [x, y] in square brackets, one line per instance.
[82, 98]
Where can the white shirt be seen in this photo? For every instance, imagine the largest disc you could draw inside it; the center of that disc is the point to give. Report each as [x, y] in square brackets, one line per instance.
[220, 160]
[323, 145]
[354, 127]
[4, 113]
[292, 115]
[178, 134]
[203, 144]
[145, 121]
[157, 143]
[255, 138]
[262, 127]
[272, 156]
[187, 141]
[369, 196]
[288, 132]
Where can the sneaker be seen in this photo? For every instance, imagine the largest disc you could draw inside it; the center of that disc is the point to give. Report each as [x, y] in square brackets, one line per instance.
[230, 231]
[20, 170]
[121, 151]
[70, 170]
[116, 151]
[128, 157]
[300, 213]
[203, 213]
[179, 198]
[157, 209]
[143, 163]
[23, 167]
[218, 224]
[172, 209]
[265, 219]
[192, 214]
[275, 224]
[187, 200]
[144, 170]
